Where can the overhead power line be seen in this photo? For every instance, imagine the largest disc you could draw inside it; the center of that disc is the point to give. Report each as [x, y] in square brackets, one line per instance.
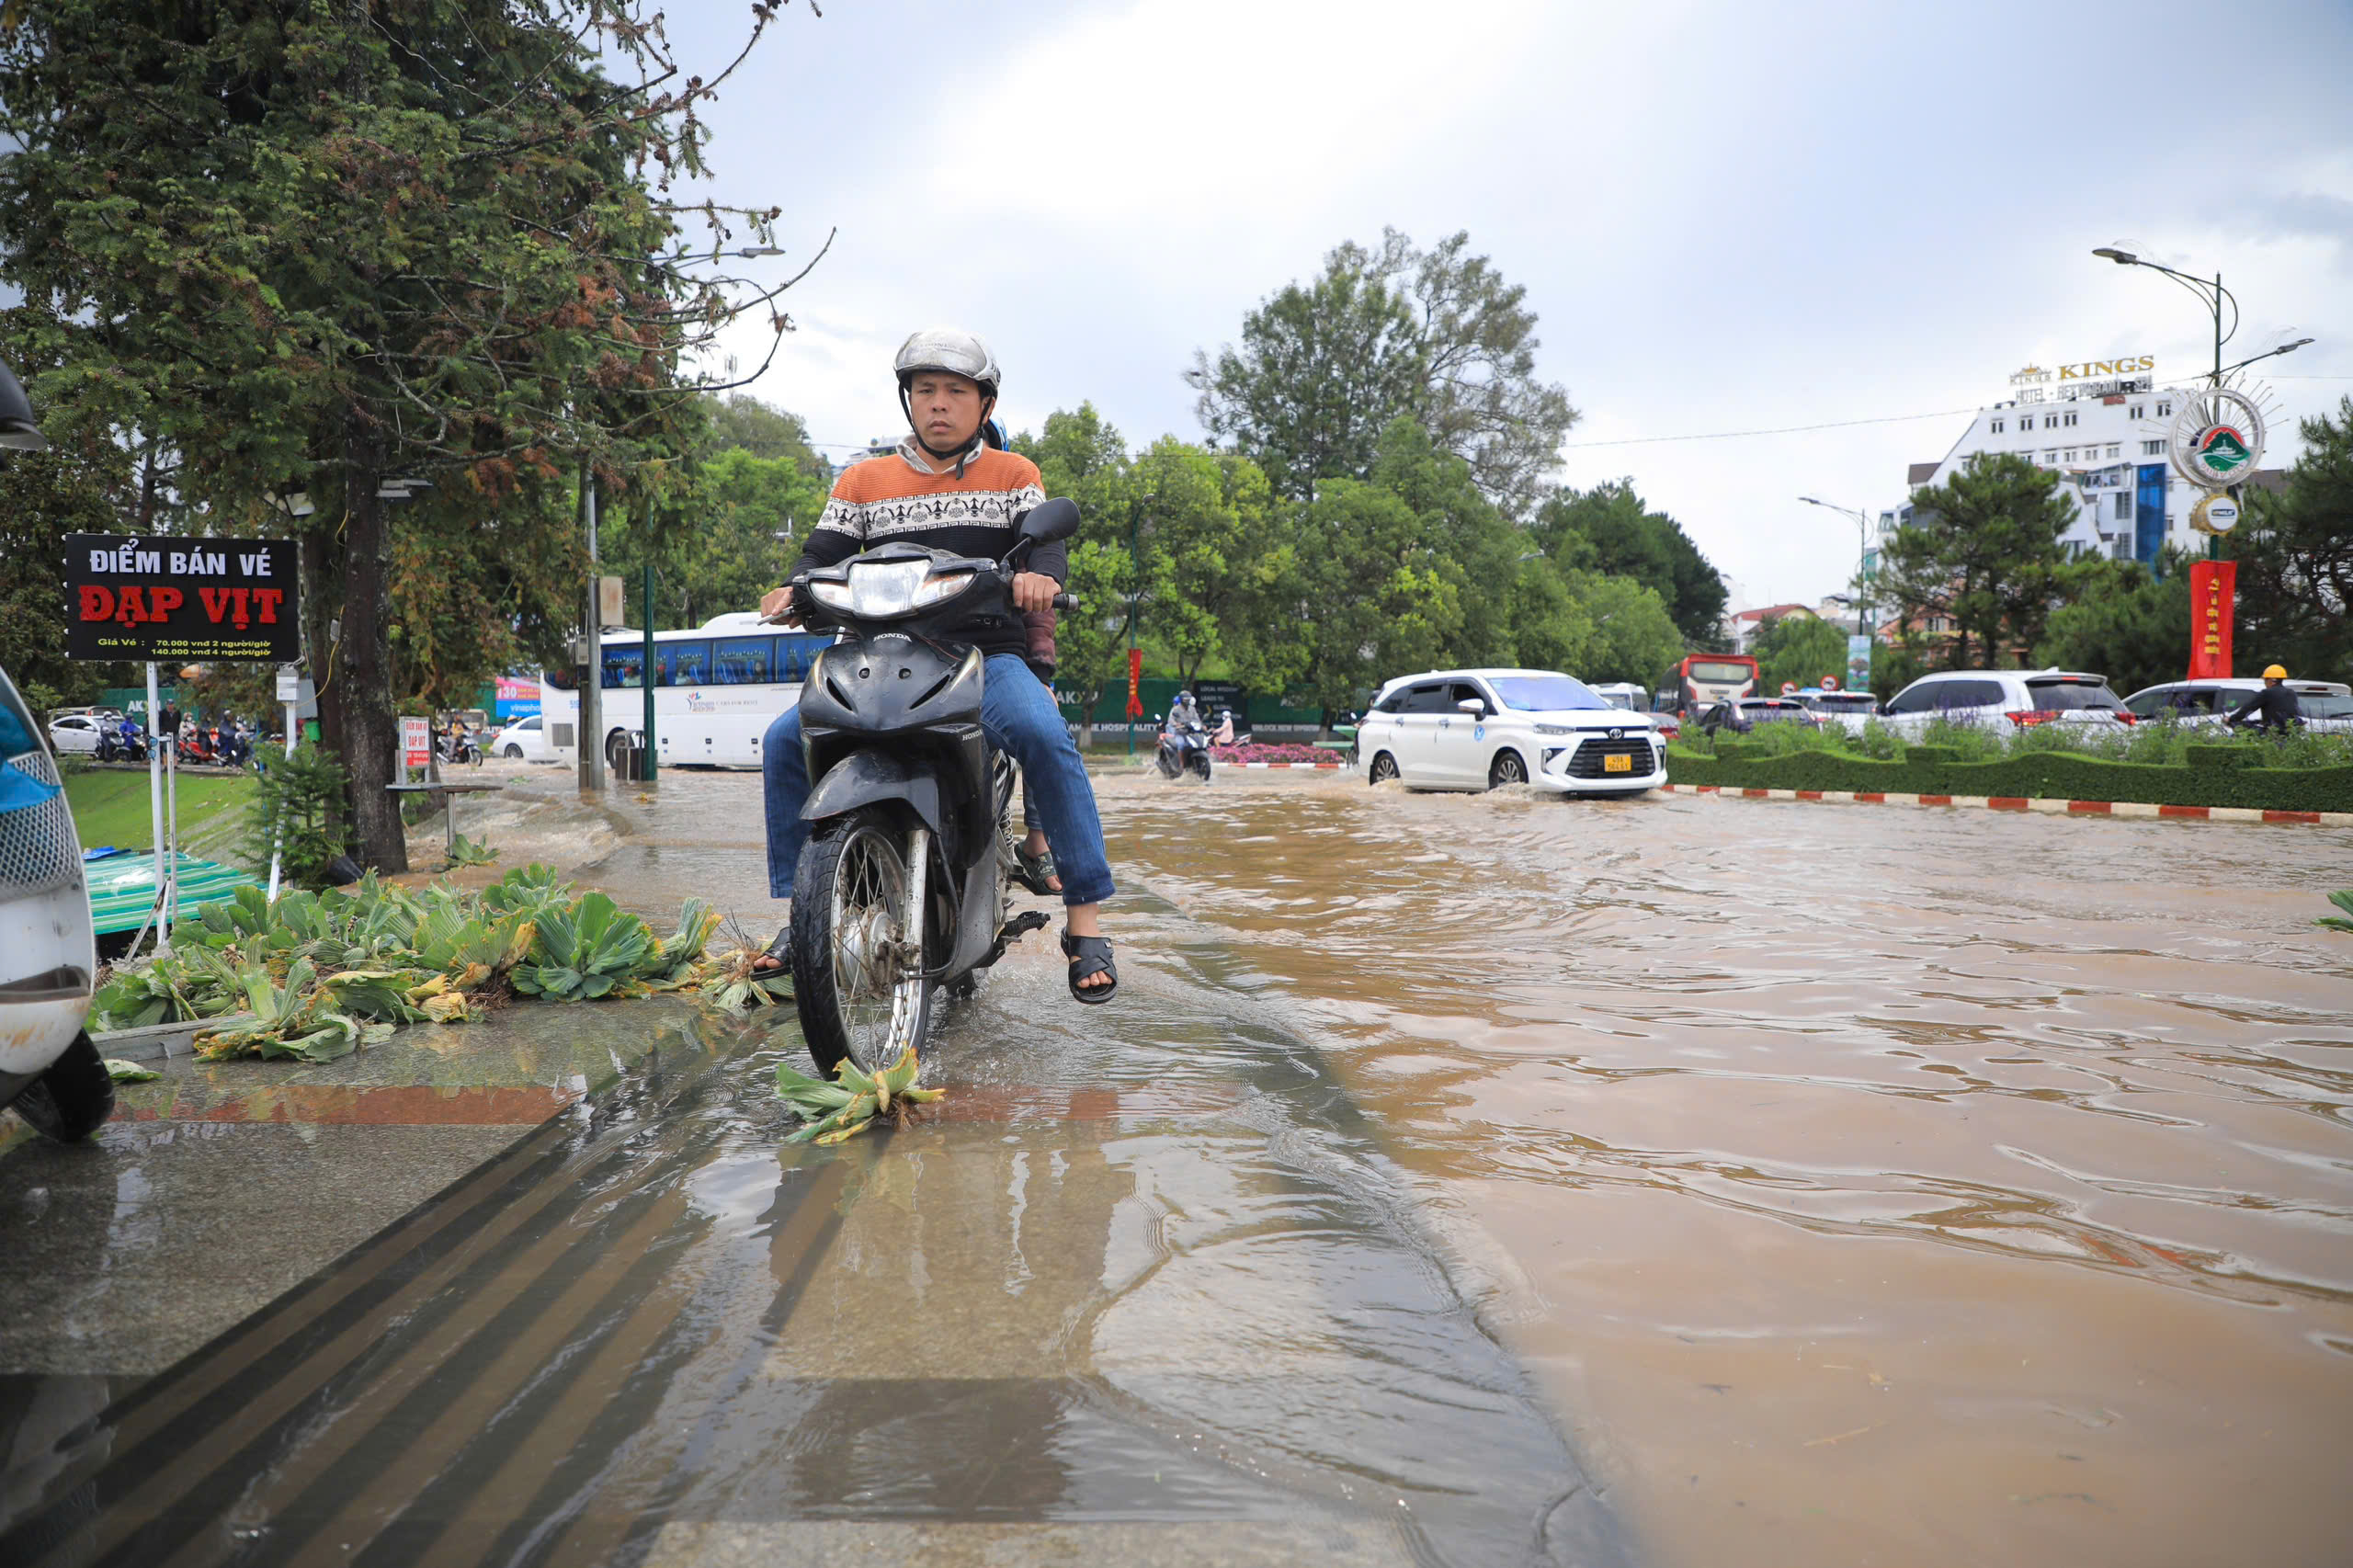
[1845, 423]
[1779, 430]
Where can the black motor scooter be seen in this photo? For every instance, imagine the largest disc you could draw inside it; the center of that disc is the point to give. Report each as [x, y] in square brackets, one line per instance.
[902, 888]
[1184, 750]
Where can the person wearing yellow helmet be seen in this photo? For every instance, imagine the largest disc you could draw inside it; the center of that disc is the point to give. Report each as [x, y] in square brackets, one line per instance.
[2274, 705]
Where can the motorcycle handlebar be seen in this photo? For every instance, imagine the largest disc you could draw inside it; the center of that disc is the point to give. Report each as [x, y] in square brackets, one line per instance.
[1066, 601]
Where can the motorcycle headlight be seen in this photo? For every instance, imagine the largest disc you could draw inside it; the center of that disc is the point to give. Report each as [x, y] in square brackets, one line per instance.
[833, 595]
[936, 590]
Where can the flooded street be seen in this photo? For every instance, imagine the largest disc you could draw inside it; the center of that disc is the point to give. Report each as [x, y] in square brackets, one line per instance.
[1865, 1183]
[1457, 1180]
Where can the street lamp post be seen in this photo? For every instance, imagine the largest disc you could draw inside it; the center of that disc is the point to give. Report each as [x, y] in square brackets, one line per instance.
[2212, 295]
[1862, 560]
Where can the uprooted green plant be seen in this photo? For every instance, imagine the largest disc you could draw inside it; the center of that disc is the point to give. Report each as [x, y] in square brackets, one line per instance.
[464, 851]
[317, 975]
[2343, 899]
[848, 1106]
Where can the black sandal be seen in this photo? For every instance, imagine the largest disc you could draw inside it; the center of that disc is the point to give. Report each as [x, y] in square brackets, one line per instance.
[1033, 870]
[1090, 956]
[779, 949]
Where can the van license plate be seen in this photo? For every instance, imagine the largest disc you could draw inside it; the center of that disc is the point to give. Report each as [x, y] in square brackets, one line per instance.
[1616, 764]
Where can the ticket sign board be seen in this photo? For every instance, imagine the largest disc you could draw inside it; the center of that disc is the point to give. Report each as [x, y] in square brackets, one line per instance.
[416, 743]
[178, 599]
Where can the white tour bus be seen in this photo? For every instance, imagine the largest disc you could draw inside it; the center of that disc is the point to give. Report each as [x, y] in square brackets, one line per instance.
[716, 690]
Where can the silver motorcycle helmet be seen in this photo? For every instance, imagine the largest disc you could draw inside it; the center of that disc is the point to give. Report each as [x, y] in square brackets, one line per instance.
[947, 348]
[957, 353]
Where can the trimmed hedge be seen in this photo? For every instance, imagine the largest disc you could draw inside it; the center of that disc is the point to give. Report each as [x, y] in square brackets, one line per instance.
[2049, 775]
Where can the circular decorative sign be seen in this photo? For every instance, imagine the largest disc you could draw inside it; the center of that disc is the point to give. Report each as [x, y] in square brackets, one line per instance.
[2215, 514]
[2217, 437]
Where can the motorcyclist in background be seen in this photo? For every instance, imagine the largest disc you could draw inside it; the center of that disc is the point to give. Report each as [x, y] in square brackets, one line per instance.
[2274, 707]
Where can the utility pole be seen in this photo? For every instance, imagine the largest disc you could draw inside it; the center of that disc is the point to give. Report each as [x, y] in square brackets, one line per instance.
[592, 638]
[650, 771]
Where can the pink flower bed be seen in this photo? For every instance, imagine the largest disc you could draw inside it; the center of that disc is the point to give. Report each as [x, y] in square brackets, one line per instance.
[1234, 756]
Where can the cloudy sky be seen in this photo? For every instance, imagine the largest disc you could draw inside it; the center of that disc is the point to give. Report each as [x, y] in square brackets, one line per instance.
[1729, 217]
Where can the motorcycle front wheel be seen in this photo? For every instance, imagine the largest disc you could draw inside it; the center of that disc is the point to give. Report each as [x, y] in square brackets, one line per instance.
[857, 969]
[1169, 768]
[73, 1098]
[1198, 763]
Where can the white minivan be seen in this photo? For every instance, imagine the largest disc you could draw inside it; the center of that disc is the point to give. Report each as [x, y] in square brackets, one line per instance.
[1478, 729]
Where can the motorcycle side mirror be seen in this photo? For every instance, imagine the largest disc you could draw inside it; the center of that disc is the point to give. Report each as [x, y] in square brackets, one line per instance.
[1050, 520]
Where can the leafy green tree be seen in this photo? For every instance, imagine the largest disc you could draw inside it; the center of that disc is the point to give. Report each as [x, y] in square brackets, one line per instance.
[1983, 549]
[1321, 372]
[1082, 454]
[1371, 598]
[1191, 535]
[722, 534]
[43, 497]
[317, 248]
[1611, 528]
[1436, 336]
[2295, 556]
[742, 422]
[1475, 546]
[1091, 642]
[2124, 622]
[1633, 636]
[1484, 401]
[1799, 650]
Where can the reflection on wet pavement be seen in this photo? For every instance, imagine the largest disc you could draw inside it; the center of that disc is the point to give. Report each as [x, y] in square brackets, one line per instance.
[1857, 1185]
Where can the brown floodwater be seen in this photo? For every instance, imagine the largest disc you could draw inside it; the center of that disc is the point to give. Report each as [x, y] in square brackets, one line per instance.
[1864, 1184]
[1457, 1180]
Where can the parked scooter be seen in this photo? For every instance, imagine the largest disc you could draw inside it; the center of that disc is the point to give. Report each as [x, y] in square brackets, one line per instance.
[902, 890]
[194, 745]
[49, 1072]
[1184, 748]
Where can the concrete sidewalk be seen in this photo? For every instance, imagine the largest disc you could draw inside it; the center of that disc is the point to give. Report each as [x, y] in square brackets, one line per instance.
[222, 1185]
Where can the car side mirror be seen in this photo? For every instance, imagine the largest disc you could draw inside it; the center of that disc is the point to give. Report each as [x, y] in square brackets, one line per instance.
[1050, 520]
[1473, 706]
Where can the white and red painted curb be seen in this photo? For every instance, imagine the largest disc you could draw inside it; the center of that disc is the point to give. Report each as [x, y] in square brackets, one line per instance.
[1282, 765]
[2029, 804]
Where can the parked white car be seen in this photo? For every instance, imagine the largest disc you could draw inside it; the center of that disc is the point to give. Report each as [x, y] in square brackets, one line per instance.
[525, 740]
[1850, 711]
[1478, 729]
[2326, 706]
[2005, 701]
[74, 733]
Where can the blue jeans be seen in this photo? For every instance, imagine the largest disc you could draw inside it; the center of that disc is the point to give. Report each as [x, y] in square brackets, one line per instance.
[1019, 716]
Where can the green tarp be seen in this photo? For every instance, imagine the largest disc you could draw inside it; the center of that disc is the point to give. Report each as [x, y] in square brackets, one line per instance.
[123, 888]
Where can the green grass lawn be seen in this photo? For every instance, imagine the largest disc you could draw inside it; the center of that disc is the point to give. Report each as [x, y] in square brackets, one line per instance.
[110, 807]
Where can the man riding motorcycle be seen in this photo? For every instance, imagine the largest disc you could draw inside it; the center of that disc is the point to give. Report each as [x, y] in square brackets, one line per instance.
[948, 487]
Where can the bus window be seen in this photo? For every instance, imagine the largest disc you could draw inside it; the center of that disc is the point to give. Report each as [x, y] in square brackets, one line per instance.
[743, 661]
[624, 666]
[683, 664]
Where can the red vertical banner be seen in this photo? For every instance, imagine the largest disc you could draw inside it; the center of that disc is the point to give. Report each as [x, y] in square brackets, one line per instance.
[2213, 597]
[1135, 683]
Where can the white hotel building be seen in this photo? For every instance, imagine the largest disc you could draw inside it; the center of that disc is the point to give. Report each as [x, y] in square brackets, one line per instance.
[2101, 425]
